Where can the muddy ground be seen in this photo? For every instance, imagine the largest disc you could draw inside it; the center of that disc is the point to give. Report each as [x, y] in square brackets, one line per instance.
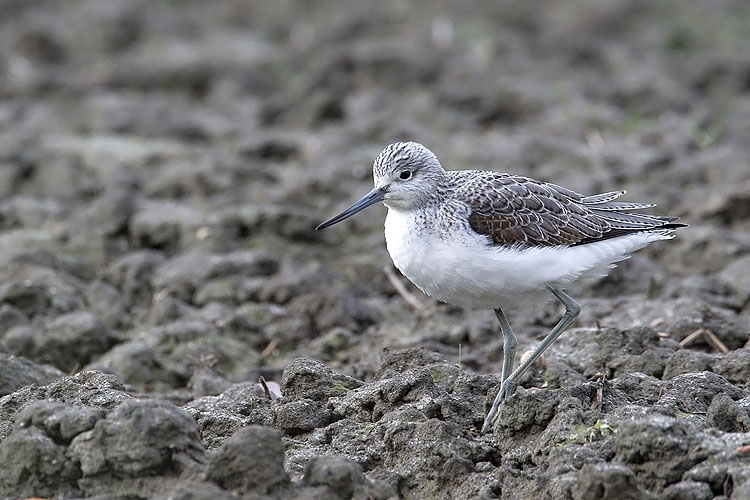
[163, 165]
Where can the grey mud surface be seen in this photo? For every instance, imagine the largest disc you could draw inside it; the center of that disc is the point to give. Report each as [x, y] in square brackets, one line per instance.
[163, 164]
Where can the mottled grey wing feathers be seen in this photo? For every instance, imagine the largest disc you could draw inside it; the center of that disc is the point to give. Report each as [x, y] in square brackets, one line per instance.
[619, 220]
[601, 197]
[619, 206]
[519, 211]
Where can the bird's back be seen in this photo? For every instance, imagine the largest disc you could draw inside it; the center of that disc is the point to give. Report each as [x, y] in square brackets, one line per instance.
[517, 210]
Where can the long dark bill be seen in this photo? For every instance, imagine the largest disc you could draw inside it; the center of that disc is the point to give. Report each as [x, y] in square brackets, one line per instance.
[371, 198]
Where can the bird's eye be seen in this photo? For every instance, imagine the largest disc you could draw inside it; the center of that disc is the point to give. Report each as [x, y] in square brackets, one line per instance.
[406, 174]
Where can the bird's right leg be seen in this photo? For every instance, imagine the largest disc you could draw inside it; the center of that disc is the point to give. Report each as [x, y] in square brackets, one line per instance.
[510, 343]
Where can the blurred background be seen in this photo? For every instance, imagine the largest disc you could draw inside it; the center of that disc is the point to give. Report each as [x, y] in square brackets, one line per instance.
[163, 164]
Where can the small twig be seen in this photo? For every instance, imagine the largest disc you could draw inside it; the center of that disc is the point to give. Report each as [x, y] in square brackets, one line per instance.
[161, 295]
[656, 323]
[717, 343]
[691, 337]
[203, 361]
[409, 297]
[269, 348]
[262, 382]
[710, 338]
[598, 401]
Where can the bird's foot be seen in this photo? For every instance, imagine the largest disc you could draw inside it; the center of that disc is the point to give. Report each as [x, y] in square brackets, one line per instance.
[506, 389]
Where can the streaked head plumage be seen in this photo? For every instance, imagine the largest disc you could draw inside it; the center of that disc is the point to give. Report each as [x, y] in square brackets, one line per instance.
[408, 173]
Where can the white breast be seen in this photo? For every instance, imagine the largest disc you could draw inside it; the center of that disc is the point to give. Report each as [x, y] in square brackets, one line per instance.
[465, 269]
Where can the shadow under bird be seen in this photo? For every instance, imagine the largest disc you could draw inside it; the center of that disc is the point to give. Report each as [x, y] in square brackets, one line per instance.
[492, 240]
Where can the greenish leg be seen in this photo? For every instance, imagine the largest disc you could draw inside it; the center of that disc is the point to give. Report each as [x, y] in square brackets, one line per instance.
[572, 310]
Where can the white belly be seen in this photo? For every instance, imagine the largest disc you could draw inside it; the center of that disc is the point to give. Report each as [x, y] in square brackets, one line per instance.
[465, 269]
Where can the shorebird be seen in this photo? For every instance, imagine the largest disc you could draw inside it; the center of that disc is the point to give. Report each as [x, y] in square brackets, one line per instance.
[490, 240]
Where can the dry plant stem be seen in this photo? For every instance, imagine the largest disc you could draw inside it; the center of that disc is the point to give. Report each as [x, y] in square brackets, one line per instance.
[409, 297]
[269, 348]
[709, 336]
[262, 382]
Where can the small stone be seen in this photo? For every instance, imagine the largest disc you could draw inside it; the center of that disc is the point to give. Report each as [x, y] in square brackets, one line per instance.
[59, 421]
[693, 392]
[132, 272]
[140, 437]
[137, 364]
[735, 366]
[304, 378]
[340, 474]
[206, 382]
[301, 416]
[735, 275]
[608, 481]
[42, 46]
[687, 361]
[243, 263]
[659, 448]
[688, 490]
[11, 316]
[198, 490]
[67, 342]
[18, 371]
[252, 460]
[109, 304]
[726, 415]
[39, 290]
[165, 226]
[73, 266]
[34, 465]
